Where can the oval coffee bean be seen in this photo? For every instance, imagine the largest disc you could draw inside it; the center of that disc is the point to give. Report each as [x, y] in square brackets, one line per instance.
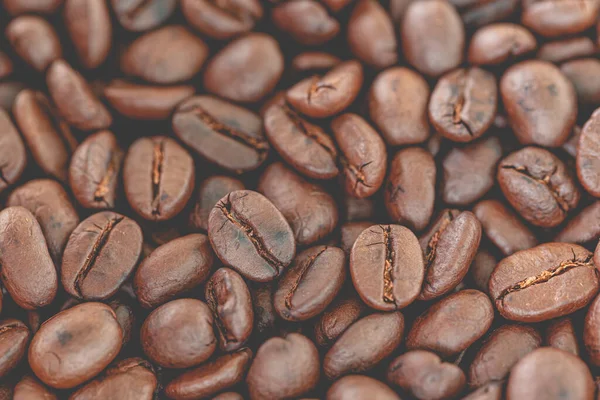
[350, 231]
[582, 75]
[75, 345]
[561, 334]
[565, 49]
[100, 255]
[28, 273]
[334, 321]
[13, 157]
[559, 17]
[357, 387]
[588, 155]
[264, 241]
[8, 94]
[222, 20]
[17, 7]
[501, 42]
[34, 40]
[582, 228]
[90, 28]
[179, 334]
[314, 61]
[30, 388]
[222, 133]
[386, 263]
[306, 21]
[158, 176]
[141, 15]
[14, 339]
[452, 324]
[212, 189]
[591, 332]
[482, 267]
[536, 284]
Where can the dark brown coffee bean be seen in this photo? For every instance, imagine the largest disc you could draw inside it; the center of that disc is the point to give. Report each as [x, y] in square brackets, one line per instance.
[470, 172]
[425, 376]
[132, 378]
[582, 228]
[350, 231]
[74, 98]
[222, 133]
[489, 391]
[264, 310]
[145, 102]
[307, 21]
[31, 388]
[34, 40]
[486, 12]
[337, 318]
[28, 273]
[588, 155]
[538, 185]
[167, 55]
[498, 43]
[314, 62]
[213, 189]
[386, 264]
[540, 102]
[560, 334]
[410, 188]
[363, 156]
[222, 20]
[583, 75]
[158, 177]
[327, 95]
[535, 285]
[75, 345]
[265, 243]
[16, 7]
[210, 378]
[8, 94]
[550, 374]
[559, 17]
[357, 387]
[245, 70]
[591, 332]
[141, 15]
[398, 106]
[371, 35]
[449, 246]
[432, 49]
[89, 25]
[503, 348]
[463, 104]
[283, 368]
[364, 344]
[482, 267]
[357, 209]
[14, 339]
[100, 255]
[503, 227]
[452, 324]
[179, 334]
[566, 49]
[12, 152]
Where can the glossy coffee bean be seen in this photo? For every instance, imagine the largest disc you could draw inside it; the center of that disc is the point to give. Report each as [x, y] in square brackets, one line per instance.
[34, 40]
[533, 285]
[559, 17]
[14, 339]
[31, 388]
[90, 28]
[100, 255]
[265, 243]
[141, 15]
[306, 21]
[356, 387]
[222, 20]
[588, 155]
[582, 75]
[13, 157]
[501, 42]
[566, 49]
[209, 193]
[337, 318]
[560, 334]
[582, 228]
[75, 345]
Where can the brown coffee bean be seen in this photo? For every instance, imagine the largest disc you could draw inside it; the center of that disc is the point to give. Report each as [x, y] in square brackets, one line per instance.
[224, 372]
[534, 285]
[179, 334]
[501, 42]
[482, 267]
[350, 231]
[566, 49]
[222, 20]
[489, 391]
[16, 7]
[538, 185]
[14, 339]
[34, 40]
[132, 378]
[89, 26]
[364, 344]
[283, 368]
[503, 348]
[158, 177]
[591, 336]
[74, 99]
[306, 21]
[337, 318]
[100, 255]
[540, 102]
[75, 345]
[245, 70]
[125, 318]
[582, 74]
[141, 15]
[212, 189]
[410, 188]
[449, 246]
[327, 95]
[558, 17]
[313, 62]
[425, 376]
[363, 157]
[463, 104]
[550, 374]
[583, 228]
[503, 227]
[432, 49]
[13, 157]
[588, 155]
[386, 264]
[8, 94]
[265, 243]
[452, 324]
[31, 388]
[222, 133]
[264, 310]
[486, 12]
[371, 35]
[560, 334]
[357, 387]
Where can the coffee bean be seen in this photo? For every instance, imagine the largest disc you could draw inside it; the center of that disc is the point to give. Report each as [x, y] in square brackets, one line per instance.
[350, 231]
[498, 43]
[264, 310]
[89, 25]
[125, 318]
[489, 11]
[591, 338]
[17, 7]
[209, 193]
[34, 40]
[582, 228]
[314, 62]
[142, 15]
[533, 285]
[13, 157]
[8, 94]
[582, 75]
[14, 339]
[557, 17]
[222, 20]
[588, 155]
[31, 388]
[561, 334]
[489, 391]
[337, 318]
[356, 387]
[306, 21]
[566, 49]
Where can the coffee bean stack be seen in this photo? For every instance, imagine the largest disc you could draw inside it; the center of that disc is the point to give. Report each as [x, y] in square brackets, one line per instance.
[299, 199]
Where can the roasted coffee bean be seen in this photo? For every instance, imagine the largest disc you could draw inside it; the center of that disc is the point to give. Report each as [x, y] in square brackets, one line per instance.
[179, 334]
[265, 243]
[582, 74]
[588, 155]
[89, 25]
[486, 12]
[538, 185]
[559, 17]
[209, 193]
[337, 318]
[264, 310]
[314, 61]
[31, 388]
[100, 255]
[549, 373]
[222, 20]
[498, 43]
[14, 340]
[357, 209]
[125, 318]
[283, 368]
[357, 387]
[17, 7]
[158, 176]
[583, 228]
[540, 102]
[34, 40]
[210, 378]
[452, 324]
[481, 269]
[425, 376]
[566, 49]
[387, 268]
[13, 157]
[449, 246]
[141, 15]
[560, 334]
[75, 345]
[350, 231]
[535, 285]
[410, 188]
[502, 349]
[591, 332]
[222, 133]
[8, 94]
[307, 21]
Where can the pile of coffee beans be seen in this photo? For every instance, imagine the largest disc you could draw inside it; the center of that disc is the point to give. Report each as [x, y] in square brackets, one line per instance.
[300, 199]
